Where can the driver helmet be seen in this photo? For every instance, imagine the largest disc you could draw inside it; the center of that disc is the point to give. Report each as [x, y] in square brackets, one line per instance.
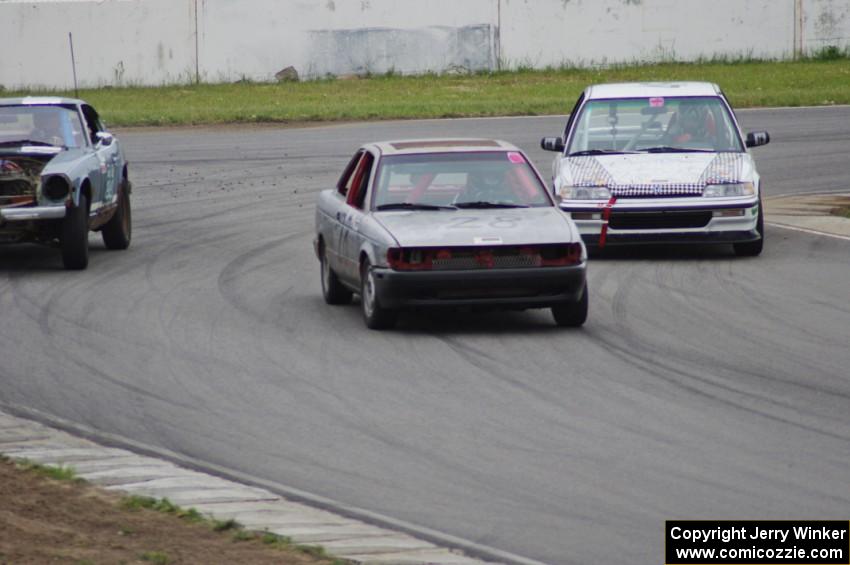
[486, 180]
[695, 119]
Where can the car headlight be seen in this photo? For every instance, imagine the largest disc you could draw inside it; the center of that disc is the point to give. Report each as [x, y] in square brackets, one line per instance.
[55, 187]
[585, 193]
[727, 190]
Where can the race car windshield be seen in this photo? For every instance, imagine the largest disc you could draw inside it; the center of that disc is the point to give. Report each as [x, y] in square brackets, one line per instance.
[498, 179]
[655, 125]
[40, 125]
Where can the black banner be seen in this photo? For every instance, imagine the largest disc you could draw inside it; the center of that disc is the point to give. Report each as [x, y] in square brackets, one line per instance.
[757, 542]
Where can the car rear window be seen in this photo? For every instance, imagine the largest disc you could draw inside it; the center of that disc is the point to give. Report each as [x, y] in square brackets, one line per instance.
[445, 179]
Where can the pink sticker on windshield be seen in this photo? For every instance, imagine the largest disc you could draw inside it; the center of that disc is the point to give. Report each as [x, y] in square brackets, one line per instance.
[656, 102]
[515, 157]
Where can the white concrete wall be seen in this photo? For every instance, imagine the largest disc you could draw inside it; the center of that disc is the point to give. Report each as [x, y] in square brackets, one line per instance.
[826, 22]
[583, 32]
[164, 41]
[115, 42]
[256, 38]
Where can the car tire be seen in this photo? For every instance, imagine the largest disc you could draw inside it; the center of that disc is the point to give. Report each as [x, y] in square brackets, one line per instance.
[375, 316]
[752, 248]
[75, 236]
[333, 290]
[118, 231]
[572, 314]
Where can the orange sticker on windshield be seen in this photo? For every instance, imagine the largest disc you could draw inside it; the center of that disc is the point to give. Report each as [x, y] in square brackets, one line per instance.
[657, 102]
[515, 157]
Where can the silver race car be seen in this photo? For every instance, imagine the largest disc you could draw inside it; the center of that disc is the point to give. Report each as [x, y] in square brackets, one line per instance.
[454, 222]
[659, 163]
[61, 175]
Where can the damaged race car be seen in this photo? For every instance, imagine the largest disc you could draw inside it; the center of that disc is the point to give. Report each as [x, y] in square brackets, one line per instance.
[447, 222]
[61, 175]
[659, 163]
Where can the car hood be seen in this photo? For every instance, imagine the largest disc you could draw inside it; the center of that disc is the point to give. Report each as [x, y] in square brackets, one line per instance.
[64, 160]
[513, 226]
[42, 160]
[657, 169]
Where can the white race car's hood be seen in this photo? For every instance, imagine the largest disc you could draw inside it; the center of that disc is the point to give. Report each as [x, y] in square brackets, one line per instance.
[657, 169]
[478, 227]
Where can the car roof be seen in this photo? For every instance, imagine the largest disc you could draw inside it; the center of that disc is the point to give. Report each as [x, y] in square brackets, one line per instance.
[650, 89]
[40, 101]
[440, 145]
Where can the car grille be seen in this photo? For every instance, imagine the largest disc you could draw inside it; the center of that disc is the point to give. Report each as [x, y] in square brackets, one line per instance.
[657, 191]
[658, 220]
[15, 188]
[18, 181]
[16, 192]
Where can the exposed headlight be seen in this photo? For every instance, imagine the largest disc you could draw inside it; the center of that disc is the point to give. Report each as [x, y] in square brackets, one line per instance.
[727, 190]
[55, 188]
[585, 193]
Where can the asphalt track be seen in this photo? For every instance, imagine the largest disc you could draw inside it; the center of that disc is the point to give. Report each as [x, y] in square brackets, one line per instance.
[702, 386]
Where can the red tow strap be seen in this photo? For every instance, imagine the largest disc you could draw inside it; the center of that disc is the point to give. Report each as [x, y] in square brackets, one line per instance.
[606, 216]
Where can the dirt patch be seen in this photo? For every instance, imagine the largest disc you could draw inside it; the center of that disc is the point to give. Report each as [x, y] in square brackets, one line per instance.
[43, 520]
[809, 205]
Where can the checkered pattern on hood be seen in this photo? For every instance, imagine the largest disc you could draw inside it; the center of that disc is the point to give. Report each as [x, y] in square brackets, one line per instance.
[589, 171]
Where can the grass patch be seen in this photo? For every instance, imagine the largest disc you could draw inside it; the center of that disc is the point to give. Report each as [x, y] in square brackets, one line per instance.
[156, 557]
[284, 542]
[55, 472]
[819, 80]
[135, 503]
[225, 525]
[843, 211]
[243, 535]
[830, 53]
[316, 551]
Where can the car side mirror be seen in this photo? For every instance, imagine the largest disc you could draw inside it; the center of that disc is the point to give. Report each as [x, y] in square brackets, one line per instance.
[552, 144]
[757, 138]
[104, 139]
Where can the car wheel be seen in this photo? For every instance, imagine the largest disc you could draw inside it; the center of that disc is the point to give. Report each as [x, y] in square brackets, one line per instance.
[752, 248]
[333, 291]
[75, 236]
[118, 231]
[572, 314]
[375, 316]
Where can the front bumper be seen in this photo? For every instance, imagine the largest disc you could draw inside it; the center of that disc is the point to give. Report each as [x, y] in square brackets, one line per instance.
[680, 220]
[507, 288]
[30, 213]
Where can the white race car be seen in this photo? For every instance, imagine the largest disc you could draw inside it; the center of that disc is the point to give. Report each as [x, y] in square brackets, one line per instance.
[659, 163]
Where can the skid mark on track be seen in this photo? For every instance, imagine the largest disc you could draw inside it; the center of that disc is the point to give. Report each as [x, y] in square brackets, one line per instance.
[668, 364]
[234, 271]
[689, 306]
[679, 377]
[494, 369]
